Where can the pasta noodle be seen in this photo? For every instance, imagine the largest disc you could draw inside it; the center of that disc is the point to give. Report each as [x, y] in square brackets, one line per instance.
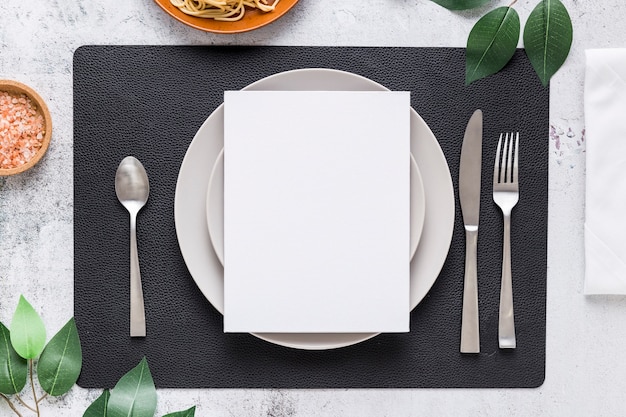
[227, 10]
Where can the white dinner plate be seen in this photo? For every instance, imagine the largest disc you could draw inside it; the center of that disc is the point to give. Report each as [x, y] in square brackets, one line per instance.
[195, 171]
[215, 207]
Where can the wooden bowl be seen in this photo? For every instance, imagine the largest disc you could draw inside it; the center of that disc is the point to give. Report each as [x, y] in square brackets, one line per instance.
[17, 87]
[253, 19]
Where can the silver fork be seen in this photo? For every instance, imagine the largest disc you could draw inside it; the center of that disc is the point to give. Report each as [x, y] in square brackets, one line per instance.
[506, 196]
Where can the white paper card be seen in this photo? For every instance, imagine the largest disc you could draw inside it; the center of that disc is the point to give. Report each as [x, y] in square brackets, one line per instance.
[316, 211]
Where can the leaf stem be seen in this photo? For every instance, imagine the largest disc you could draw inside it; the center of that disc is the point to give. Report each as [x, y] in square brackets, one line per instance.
[512, 3]
[11, 405]
[32, 385]
[24, 404]
[42, 398]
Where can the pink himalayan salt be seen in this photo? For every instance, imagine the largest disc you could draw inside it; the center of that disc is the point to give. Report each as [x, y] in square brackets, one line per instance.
[21, 129]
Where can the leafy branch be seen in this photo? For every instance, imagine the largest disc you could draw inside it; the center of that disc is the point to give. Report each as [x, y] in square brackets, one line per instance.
[58, 365]
[58, 362]
[492, 41]
[134, 395]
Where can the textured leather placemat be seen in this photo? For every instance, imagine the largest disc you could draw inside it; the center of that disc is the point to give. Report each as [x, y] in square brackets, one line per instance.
[148, 101]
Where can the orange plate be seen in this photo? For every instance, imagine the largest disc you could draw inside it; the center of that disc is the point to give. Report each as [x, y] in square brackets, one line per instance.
[253, 19]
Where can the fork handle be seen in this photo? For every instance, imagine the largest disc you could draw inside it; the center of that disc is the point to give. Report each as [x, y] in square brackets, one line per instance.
[506, 322]
[470, 335]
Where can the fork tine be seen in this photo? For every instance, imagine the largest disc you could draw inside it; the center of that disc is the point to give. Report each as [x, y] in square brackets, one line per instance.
[504, 166]
[509, 159]
[496, 167]
[515, 160]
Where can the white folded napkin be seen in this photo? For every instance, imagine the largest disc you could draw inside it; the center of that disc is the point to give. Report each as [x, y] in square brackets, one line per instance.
[605, 212]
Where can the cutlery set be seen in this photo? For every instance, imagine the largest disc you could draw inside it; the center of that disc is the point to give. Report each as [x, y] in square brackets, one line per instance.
[132, 189]
[506, 196]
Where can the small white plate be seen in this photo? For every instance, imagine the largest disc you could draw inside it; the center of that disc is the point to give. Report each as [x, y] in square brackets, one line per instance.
[215, 207]
[193, 179]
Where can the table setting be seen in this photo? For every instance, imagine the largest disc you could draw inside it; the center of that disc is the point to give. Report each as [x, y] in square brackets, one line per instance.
[269, 220]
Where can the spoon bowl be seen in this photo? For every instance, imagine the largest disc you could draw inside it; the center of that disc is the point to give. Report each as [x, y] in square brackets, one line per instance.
[131, 184]
[132, 189]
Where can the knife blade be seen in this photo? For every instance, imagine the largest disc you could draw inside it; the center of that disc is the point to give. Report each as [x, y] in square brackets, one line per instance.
[469, 196]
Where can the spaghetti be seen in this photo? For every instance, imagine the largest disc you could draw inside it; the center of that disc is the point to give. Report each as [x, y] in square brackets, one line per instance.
[226, 10]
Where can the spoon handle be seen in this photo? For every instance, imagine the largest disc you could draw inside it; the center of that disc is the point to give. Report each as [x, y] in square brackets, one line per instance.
[137, 313]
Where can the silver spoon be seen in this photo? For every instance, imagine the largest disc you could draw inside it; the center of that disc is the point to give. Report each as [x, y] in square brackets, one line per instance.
[132, 189]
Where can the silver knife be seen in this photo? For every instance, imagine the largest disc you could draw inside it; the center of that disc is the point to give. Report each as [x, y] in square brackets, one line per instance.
[469, 195]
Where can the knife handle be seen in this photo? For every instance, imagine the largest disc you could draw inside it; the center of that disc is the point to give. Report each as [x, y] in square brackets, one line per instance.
[470, 336]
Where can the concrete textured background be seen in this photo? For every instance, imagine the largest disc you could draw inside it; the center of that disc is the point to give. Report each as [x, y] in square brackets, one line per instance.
[585, 335]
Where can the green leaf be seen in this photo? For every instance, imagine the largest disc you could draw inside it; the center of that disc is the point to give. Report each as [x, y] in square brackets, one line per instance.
[461, 4]
[134, 395]
[548, 38]
[98, 408]
[28, 333]
[491, 43]
[187, 413]
[60, 362]
[13, 368]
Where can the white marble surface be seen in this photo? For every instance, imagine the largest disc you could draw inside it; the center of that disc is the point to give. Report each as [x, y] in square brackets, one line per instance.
[586, 360]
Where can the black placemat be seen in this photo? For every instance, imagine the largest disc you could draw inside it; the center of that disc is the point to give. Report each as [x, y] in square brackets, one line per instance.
[149, 102]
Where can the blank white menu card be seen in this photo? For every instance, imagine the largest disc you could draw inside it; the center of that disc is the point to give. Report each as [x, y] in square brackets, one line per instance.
[316, 211]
